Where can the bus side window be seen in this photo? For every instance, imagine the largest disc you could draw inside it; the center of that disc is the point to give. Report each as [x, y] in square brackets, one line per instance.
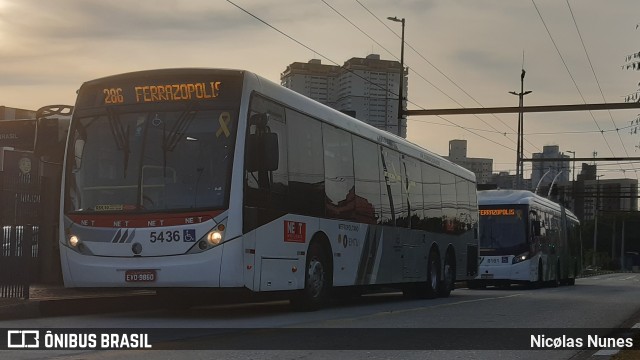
[266, 156]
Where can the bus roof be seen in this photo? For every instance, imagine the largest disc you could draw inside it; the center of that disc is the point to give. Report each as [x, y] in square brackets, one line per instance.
[517, 197]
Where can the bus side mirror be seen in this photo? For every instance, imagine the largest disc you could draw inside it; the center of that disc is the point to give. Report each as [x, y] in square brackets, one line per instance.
[262, 152]
[535, 227]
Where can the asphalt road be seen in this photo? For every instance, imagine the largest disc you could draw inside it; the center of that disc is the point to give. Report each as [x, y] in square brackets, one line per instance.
[476, 324]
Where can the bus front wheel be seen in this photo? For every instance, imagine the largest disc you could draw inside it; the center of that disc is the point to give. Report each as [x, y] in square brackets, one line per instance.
[317, 280]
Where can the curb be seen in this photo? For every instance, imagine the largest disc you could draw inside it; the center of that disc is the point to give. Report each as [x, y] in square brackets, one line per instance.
[30, 309]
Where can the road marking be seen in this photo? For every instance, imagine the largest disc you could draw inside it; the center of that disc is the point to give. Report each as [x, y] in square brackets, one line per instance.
[611, 352]
[395, 312]
[627, 278]
[606, 352]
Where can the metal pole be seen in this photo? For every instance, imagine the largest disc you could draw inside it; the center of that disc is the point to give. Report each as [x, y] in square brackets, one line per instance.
[622, 247]
[613, 242]
[400, 93]
[595, 229]
[520, 145]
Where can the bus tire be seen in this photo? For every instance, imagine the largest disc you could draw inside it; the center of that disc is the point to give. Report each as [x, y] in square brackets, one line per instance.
[540, 281]
[317, 280]
[448, 282]
[429, 289]
[556, 282]
[572, 280]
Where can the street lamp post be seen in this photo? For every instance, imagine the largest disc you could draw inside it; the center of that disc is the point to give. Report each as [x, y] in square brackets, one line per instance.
[400, 92]
[520, 152]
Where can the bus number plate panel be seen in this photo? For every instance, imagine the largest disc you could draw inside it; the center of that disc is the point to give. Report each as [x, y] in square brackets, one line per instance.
[140, 276]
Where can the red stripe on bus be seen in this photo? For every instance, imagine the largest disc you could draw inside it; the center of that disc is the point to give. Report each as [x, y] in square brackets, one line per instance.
[143, 220]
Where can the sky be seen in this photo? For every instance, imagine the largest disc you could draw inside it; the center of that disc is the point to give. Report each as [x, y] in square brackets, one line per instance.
[460, 53]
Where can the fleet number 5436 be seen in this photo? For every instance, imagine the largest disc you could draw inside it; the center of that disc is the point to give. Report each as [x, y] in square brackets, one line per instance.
[164, 236]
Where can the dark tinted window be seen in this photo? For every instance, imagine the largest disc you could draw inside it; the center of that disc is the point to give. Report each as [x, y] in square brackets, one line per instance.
[413, 191]
[462, 199]
[365, 163]
[339, 179]
[449, 202]
[306, 170]
[432, 198]
[392, 172]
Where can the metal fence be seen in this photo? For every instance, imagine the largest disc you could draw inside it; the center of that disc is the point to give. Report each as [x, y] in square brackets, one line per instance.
[20, 219]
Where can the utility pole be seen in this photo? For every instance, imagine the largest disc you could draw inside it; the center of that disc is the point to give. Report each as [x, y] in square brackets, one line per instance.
[595, 227]
[520, 145]
[401, 90]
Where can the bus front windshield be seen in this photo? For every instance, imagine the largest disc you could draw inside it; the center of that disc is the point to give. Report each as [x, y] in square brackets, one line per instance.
[503, 231]
[149, 161]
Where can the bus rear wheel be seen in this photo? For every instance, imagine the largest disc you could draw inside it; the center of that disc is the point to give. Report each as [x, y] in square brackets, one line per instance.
[449, 280]
[429, 289]
[317, 280]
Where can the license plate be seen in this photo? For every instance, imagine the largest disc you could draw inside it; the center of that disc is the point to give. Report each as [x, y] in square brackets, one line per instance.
[486, 276]
[140, 276]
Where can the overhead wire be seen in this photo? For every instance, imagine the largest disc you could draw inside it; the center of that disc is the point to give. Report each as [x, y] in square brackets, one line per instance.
[414, 71]
[443, 74]
[597, 81]
[535, 133]
[335, 63]
[570, 74]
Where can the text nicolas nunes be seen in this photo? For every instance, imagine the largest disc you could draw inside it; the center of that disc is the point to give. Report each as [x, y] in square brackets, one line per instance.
[568, 342]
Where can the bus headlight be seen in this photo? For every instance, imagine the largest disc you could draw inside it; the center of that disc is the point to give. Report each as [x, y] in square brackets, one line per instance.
[214, 237]
[74, 241]
[211, 239]
[520, 258]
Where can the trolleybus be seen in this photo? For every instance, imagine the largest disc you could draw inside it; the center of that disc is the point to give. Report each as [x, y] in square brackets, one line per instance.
[212, 178]
[526, 238]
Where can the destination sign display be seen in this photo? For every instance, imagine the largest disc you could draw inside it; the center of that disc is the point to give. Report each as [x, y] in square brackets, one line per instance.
[160, 87]
[497, 212]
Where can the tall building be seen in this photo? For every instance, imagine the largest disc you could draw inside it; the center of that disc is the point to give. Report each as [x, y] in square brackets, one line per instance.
[365, 88]
[544, 172]
[479, 166]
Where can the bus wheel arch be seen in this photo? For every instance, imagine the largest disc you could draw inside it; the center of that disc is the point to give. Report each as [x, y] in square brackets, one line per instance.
[318, 275]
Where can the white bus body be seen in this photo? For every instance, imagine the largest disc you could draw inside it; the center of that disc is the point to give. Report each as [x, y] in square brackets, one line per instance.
[147, 202]
[527, 239]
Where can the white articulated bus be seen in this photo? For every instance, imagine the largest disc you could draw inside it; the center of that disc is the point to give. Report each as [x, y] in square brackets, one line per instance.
[210, 178]
[525, 238]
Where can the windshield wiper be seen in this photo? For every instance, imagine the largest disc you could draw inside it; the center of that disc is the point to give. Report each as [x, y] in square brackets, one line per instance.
[120, 136]
[171, 139]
